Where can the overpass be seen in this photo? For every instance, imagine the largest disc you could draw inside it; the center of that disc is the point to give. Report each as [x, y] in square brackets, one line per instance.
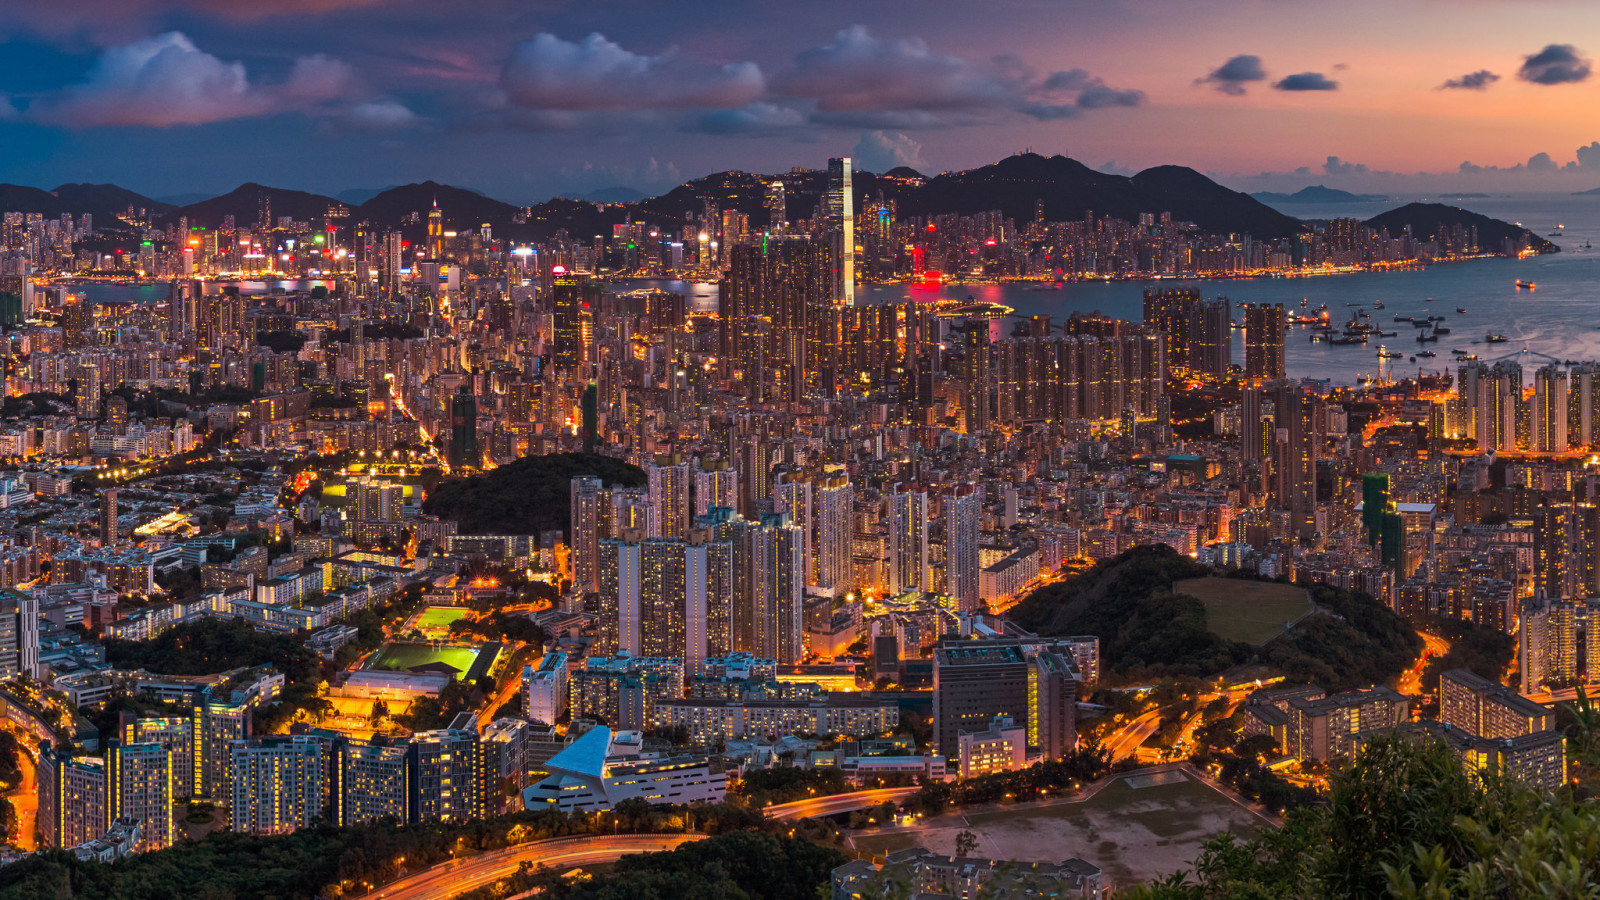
[834, 804]
[459, 876]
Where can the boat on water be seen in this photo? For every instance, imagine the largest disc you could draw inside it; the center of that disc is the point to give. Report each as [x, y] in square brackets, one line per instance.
[1347, 341]
[1495, 339]
[1427, 300]
[1426, 338]
[1525, 285]
[1389, 354]
[1462, 310]
[1438, 330]
[1426, 354]
[1422, 323]
[1403, 319]
[1377, 304]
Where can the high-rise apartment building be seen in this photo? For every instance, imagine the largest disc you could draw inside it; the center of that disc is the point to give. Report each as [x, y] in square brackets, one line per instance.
[1265, 326]
[833, 538]
[585, 540]
[963, 517]
[280, 783]
[670, 482]
[908, 539]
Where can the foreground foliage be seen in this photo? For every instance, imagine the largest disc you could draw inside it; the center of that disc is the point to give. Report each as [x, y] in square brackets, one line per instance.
[1405, 820]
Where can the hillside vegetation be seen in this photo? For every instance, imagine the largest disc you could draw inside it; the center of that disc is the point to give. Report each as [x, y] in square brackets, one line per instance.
[528, 496]
[1147, 631]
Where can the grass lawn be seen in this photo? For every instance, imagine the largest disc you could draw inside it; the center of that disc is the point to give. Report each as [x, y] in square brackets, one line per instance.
[1249, 611]
[1134, 834]
[435, 621]
[406, 656]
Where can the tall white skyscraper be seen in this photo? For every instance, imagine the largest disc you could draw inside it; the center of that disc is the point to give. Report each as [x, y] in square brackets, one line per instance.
[620, 567]
[962, 514]
[908, 539]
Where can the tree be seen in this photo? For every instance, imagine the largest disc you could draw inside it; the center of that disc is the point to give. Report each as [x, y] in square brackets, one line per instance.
[380, 711]
[966, 842]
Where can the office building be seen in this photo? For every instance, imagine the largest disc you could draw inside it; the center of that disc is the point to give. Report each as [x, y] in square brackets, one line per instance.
[1002, 747]
[842, 222]
[463, 450]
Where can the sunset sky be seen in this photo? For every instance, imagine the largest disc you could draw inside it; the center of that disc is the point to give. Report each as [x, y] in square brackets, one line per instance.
[525, 99]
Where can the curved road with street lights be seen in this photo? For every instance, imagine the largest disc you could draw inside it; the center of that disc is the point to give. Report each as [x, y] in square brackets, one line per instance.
[459, 876]
[834, 804]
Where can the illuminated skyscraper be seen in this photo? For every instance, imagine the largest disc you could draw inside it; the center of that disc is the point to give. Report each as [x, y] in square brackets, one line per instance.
[464, 452]
[975, 396]
[963, 513]
[435, 232]
[793, 495]
[585, 541]
[1550, 400]
[908, 539]
[715, 484]
[669, 496]
[842, 220]
[574, 318]
[139, 786]
[1264, 329]
[832, 539]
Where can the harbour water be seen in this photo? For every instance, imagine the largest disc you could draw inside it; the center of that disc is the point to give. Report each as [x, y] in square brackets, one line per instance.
[1559, 320]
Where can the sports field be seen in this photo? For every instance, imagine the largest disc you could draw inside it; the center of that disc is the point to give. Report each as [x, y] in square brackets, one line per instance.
[1249, 611]
[1133, 833]
[404, 657]
[435, 621]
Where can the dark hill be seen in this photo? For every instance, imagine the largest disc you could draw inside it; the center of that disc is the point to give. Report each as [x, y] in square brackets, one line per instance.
[106, 199]
[1428, 219]
[528, 496]
[106, 202]
[244, 204]
[1070, 191]
[460, 208]
[1146, 631]
[1317, 193]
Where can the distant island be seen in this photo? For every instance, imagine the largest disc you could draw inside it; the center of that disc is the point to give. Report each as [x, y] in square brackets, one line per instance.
[1428, 219]
[1318, 193]
[1592, 192]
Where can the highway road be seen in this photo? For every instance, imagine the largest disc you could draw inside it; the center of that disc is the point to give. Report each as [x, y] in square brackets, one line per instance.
[1128, 739]
[837, 803]
[459, 876]
[1411, 679]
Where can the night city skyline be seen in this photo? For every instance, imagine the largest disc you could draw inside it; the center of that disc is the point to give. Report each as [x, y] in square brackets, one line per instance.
[570, 98]
[1136, 449]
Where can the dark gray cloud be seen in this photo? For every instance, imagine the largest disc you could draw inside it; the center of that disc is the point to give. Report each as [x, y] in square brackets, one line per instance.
[166, 80]
[1555, 64]
[859, 71]
[1232, 76]
[1306, 81]
[599, 74]
[1472, 81]
[757, 118]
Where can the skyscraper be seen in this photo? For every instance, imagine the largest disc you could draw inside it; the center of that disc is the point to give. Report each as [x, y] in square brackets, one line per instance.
[842, 221]
[464, 452]
[975, 397]
[1294, 455]
[1264, 329]
[963, 512]
[280, 784]
[1550, 398]
[585, 541]
[139, 786]
[908, 539]
[833, 537]
[793, 495]
[108, 516]
[669, 482]
[573, 323]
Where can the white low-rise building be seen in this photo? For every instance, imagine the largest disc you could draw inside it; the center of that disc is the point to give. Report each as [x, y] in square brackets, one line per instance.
[588, 776]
